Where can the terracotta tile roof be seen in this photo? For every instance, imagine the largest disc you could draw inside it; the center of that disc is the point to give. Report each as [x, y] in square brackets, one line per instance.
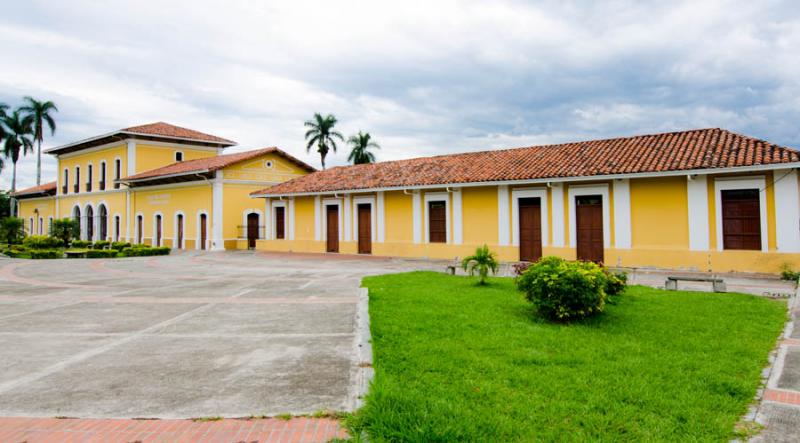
[46, 188]
[211, 164]
[674, 151]
[168, 130]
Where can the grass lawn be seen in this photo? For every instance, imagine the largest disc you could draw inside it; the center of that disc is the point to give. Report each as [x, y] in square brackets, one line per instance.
[455, 361]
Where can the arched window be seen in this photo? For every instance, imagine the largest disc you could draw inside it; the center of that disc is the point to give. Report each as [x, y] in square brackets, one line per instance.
[103, 222]
[76, 215]
[41, 225]
[116, 228]
[89, 223]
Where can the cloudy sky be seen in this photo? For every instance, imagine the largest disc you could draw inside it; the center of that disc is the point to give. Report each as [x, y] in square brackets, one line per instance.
[422, 77]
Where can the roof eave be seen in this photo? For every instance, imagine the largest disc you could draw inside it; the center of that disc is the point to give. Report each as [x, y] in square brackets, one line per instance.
[164, 176]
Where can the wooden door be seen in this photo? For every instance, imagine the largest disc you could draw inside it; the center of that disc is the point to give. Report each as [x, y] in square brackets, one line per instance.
[252, 230]
[741, 219]
[332, 222]
[530, 229]
[180, 232]
[589, 228]
[139, 226]
[280, 222]
[158, 231]
[203, 235]
[365, 229]
[437, 222]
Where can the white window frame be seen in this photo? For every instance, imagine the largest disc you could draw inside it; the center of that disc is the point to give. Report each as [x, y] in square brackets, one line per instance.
[136, 229]
[340, 213]
[516, 195]
[183, 156]
[66, 182]
[273, 231]
[435, 197]
[76, 179]
[373, 219]
[175, 229]
[153, 241]
[739, 183]
[198, 237]
[49, 224]
[89, 177]
[41, 225]
[583, 190]
[248, 211]
[97, 216]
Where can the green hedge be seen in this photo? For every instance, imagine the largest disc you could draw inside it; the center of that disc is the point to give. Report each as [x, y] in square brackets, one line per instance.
[145, 251]
[80, 244]
[120, 245]
[101, 253]
[101, 244]
[42, 242]
[38, 254]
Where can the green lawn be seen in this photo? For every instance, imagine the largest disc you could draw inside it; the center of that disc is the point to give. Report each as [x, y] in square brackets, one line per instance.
[459, 362]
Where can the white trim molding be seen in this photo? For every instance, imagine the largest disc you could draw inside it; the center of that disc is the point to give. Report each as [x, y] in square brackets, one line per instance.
[697, 198]
[380, 214]
[131, 163]
[217, 242]
[136, 233]
[734, 183]
[416, 216]
[347, 206]
[435, 197]
[332, 202]
[503, 216]
[622, 213]
[458, 221]
[290, 224]
[787, 210]
[247, 212]
[198, 237]
[557, 203]
[273, 228]
[372, 216]
[175, 230]
[582, 190]
[516, 194]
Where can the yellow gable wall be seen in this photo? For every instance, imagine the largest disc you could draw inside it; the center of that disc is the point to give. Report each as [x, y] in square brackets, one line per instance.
[150, 156]
[270, 168]
[32, 209]
[94, 158]
[191, 200]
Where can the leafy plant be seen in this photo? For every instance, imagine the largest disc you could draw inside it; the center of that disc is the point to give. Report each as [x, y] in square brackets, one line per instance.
[521, 267]
[46, 253]
[101, 253]
[563, 290]
[42, 242]
[788, 274]
[12, 230]
[80, 244]
[119, 245]
[616, 282]
[101, 244]
[145, 251]
[37, 115]
[18, 142]
[65, 229]
[482, 261]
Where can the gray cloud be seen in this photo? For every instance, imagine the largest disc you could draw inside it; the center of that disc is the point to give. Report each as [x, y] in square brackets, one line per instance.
[423, 78]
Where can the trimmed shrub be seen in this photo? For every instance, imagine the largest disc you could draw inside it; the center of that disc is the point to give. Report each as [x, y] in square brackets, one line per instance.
[42, 242]
[76, 253]
[616, 283]
[18, 251]
[80, 244]
[101, 253]
[564, 291]
[145, 252]
[66, 229]
[101, 244]
[46, 253]
[120, 245]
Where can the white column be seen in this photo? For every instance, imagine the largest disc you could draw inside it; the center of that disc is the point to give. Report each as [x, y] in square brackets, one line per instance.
[697, 197]
[557, 199]
[267, 219]
[416, 213]
[458, 224]
[503, 216]
[347, 217]
[787, 210]
[131, 157]
[622, 214]
[291, 218]
[379, 212]
[217, 241]
[317, 218]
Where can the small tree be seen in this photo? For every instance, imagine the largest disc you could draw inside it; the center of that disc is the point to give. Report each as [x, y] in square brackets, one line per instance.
[481, 262]
[65, 229]
[12, 230]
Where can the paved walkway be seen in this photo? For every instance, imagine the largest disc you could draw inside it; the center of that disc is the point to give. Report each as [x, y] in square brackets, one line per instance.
[273, 430]
[779, 410]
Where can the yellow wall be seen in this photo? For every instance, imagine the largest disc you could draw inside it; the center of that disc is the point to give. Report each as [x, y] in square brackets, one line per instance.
[150, 156]
[94, 158]
[479, 206]
[659, 213]
[190, 200]
[36, 209]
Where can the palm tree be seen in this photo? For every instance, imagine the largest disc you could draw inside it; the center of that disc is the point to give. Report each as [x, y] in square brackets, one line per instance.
[482, 261]
[19, 140]
[361, 143]
[39, 113]
[322, 134]
[3, 108]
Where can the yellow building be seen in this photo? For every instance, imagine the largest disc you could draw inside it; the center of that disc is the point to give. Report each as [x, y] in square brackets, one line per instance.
[159, 184]
[704, 199]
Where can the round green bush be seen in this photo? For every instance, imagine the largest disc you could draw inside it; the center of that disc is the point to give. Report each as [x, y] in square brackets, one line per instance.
[38, 254]
[42, 242]
[565, 290]
[80, 244]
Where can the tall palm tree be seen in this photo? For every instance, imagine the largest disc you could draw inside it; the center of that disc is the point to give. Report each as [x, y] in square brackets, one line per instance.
[361, 143]
[3, 108]
[322, 134]
[39, 114]
[19, 141]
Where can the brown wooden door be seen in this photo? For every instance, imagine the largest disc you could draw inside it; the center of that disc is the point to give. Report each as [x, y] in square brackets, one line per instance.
[589, 228]
[365, 229]
[741, 219]
[437, 222]
[139, 226]
[203, 227]
[158, 231]
[280, 223]
[530, 229]
[252, 230]
[180, 232]
[332, 221]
